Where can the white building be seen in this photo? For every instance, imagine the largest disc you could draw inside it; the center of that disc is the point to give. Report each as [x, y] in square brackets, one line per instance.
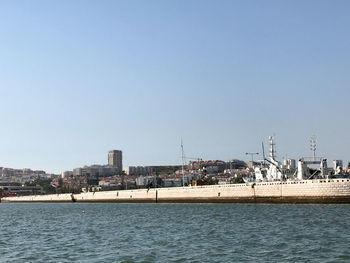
[67, 174]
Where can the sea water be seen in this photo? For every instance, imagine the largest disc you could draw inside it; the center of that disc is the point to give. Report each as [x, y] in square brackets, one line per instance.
[74, 232]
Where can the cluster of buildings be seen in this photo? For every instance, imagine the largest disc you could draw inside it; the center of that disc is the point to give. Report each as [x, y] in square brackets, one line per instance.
[20, 181]
[216, 166]
[22, 175]
[114, 167]
[112, 175]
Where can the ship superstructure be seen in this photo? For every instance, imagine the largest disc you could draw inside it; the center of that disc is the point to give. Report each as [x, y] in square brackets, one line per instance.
[272, 170]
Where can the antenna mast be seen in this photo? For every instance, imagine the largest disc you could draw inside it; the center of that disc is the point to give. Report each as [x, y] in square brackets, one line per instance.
[263, 152]
[313, 146]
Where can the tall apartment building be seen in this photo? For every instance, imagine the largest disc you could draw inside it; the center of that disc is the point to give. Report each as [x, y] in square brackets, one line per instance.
[115, 159]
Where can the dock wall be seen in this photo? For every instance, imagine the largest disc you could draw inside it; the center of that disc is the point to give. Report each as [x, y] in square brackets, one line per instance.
[306, 191]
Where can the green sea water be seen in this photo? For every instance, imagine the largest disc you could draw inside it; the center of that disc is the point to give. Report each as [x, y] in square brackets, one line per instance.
[76, 232]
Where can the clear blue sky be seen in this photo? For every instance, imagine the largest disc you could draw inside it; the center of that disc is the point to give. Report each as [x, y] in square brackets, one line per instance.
[79, 78]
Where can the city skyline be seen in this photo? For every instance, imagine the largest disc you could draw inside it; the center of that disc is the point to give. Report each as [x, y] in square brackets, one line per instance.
[78, 79]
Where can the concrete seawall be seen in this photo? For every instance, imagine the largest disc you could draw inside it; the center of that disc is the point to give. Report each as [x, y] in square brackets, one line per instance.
[307, 191]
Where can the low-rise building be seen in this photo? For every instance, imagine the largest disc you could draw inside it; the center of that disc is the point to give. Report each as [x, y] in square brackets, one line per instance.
[22, 189]
[96, 171]
[139, 170]
[172, 182]
[144, 181]
[67, 174]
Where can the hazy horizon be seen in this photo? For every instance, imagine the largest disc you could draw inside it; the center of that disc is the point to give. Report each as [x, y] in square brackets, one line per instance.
[80, 78]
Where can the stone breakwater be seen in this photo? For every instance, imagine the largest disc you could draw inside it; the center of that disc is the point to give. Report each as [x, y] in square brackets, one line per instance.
[306, 191]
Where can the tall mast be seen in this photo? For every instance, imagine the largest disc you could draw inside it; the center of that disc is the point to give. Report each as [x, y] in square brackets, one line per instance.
[183, 163]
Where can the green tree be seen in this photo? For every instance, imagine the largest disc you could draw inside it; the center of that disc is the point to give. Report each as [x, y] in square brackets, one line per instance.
[207, 181]
[238, 180]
